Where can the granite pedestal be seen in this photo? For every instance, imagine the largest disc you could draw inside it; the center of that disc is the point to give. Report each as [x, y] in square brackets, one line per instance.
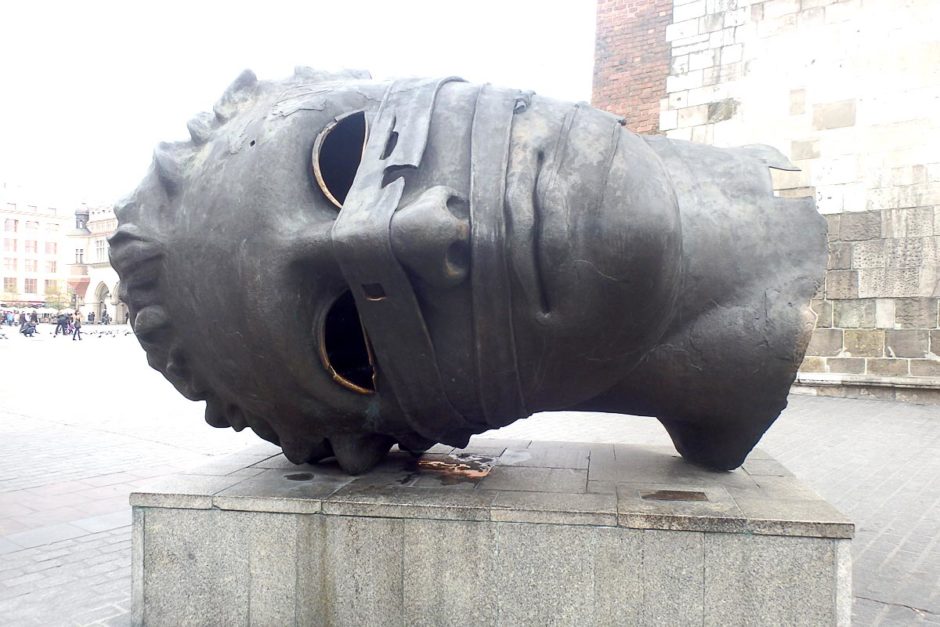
[500, 533]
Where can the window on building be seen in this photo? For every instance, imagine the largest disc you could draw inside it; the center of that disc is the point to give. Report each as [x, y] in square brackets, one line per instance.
[9, 264]
[32, 265]
[11, 206]
[79, 255]
[11, 225]
[101, 249]
[9, 245]
[52, 267]
[31, 246]
[32, 225]
[52, 226]
[32, 208]
[52, 286]
[9, 284]
[52, 248]
[29, 286]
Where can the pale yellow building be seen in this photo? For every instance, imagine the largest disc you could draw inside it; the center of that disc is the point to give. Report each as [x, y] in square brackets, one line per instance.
[34, 269]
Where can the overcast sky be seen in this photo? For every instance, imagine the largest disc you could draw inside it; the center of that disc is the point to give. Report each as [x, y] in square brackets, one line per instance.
[89, 88]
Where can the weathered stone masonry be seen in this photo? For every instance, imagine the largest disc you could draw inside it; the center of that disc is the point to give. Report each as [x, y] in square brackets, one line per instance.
[850, 91]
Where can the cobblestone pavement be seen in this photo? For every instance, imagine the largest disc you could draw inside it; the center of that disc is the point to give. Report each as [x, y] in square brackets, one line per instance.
[84, 423]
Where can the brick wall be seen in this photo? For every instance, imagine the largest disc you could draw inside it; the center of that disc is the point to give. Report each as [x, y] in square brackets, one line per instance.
[631, 60]
[849, 90]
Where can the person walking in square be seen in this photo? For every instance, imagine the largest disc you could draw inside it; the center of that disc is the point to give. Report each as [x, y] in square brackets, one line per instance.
[77, 333]
[61, 325]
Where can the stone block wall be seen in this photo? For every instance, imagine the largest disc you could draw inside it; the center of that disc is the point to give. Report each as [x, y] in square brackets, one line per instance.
[631, 59]
[849, 90]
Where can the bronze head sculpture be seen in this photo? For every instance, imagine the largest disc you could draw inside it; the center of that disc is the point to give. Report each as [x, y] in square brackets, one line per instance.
[343, 265]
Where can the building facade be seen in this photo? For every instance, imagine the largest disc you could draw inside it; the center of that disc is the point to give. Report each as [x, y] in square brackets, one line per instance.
[91, 277]
[34, 267]
[849, 90]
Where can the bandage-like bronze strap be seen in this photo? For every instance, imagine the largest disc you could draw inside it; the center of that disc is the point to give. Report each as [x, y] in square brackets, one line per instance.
[500, 388]
[387, 304]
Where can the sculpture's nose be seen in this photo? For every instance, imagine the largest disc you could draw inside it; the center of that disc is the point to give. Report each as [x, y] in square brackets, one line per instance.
[431, 237]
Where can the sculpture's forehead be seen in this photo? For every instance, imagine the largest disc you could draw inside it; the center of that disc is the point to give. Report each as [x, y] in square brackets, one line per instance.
[290, 114]
[326, 97]
[259, 162]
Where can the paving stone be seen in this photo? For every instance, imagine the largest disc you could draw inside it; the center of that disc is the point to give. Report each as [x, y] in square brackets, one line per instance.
[302, 489]
[98, 614]
[548, 457]
[45, 535]
[410, 502]
[8, 547]
[765, 468]
[716, 511]
[105, 522]
[540, 479]
[882, 471]
[22, 579]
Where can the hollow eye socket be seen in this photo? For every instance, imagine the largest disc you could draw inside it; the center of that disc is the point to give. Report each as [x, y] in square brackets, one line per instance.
[344, 347]
[337, 153]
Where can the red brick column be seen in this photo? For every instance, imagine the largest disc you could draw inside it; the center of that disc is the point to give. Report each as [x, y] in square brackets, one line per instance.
[631, 60]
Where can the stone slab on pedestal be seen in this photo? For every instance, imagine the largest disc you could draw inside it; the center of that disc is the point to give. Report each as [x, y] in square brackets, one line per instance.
[500, 533]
